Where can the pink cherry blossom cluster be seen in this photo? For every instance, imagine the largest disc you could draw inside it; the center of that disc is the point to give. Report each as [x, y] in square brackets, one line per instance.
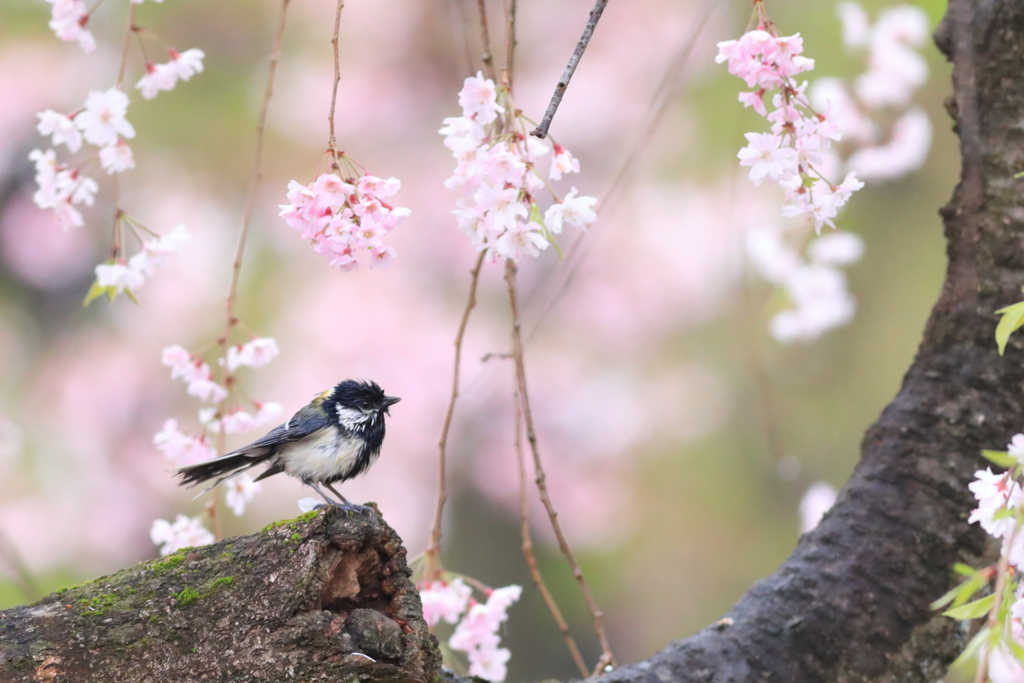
[185, 532]
[997, 493]
[497, 173]
[809, 270]
[68, 20]
[895, 70]
[239, 421]
[195, 373]
[476, 634]
[180, 448]
[101, 123]
[117, 276]
[791, 154]
[183, 449]
[239, 491]
[182, 67]
[815, 286]
[444, 601]
[343, 217]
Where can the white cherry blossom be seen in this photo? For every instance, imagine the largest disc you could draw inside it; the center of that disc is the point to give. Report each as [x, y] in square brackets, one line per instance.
[117, 158]
[240, 490]
[186, 532]
[444, 601]
[478, 99]
[104, 118]
[69, 18]
[253, 354]
[61, 127]
[119, 276]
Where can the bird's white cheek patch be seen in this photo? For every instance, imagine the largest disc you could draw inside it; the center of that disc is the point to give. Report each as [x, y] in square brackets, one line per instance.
[351, 418]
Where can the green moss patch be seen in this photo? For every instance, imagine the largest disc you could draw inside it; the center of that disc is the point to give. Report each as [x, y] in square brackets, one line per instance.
[170, 562]
[222, 582]
[187, 596]
[289, 522]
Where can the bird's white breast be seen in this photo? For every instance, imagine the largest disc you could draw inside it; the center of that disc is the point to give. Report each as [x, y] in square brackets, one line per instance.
[320, 456]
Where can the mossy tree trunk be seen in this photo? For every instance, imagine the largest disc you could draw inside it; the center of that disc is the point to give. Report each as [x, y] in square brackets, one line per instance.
[326, 597]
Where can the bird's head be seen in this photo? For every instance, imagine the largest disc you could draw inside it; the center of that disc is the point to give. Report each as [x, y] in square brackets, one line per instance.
[357, 402]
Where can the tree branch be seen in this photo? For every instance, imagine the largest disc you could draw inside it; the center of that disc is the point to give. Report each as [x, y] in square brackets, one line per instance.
[607, 659]
[541, 131]
[527, 543]
[325, 597]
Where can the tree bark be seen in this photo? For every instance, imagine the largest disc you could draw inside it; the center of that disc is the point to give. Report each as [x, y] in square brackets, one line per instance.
[326, 597]
[850, 605]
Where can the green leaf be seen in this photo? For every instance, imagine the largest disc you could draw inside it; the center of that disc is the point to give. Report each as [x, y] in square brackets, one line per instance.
[1001, 458]
[536, 217]
[964, 569]
[131, 295]
[1019, 175]
[1001, 514]
[95, 292]
[1013, 318]
[962, 593]
[1016, 649]
[972, 610]
[948, 597]
[974, 584]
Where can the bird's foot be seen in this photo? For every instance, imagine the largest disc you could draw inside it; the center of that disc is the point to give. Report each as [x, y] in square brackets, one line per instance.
[348, 508]
[352, 508]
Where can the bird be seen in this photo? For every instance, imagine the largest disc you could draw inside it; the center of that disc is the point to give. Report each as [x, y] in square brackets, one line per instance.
[334, 438]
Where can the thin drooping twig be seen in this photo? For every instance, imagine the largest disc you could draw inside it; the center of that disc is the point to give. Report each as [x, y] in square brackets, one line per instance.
[485, 36]
[257, 174]
[332, 144]
[463, 33]
[541, 131]
[250, 202]
[434, 550]
[127, 41]
[531, 561]
[510, 39]
[607, 659]
[117, 242]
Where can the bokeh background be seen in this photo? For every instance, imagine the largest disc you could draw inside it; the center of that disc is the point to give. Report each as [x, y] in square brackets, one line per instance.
[679, 435]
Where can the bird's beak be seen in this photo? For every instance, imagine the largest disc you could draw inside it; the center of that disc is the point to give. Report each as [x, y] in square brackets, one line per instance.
[390, 401]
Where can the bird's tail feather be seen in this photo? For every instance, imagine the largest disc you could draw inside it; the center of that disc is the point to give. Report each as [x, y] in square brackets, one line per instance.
[221, 467]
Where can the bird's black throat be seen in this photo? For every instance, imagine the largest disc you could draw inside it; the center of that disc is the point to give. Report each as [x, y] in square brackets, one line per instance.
[371, 434]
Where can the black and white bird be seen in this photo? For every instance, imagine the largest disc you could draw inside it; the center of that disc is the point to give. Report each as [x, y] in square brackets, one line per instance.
[333, 439]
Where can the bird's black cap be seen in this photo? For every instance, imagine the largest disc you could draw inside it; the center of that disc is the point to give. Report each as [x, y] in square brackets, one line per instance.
[362, 395]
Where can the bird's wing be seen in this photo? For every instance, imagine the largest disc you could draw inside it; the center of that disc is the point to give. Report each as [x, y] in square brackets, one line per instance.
[303, 423]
